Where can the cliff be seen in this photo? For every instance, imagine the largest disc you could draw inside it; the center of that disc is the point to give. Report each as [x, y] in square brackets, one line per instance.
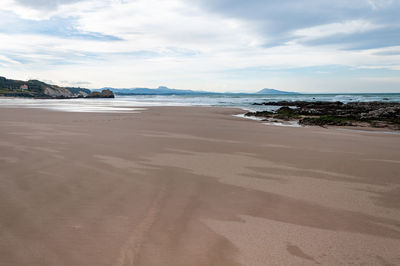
[39, 89]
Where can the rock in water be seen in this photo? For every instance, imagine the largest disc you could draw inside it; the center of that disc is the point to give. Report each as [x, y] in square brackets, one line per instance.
[376, 114]
[103, 94]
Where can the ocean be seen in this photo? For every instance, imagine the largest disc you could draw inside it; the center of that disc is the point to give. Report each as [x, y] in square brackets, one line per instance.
[136, 103]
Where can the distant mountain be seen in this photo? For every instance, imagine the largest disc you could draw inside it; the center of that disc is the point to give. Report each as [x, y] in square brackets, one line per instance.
[167, 91]
[159, 91]
[272, 91]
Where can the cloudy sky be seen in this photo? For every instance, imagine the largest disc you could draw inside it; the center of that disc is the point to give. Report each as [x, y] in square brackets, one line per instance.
[220, 45]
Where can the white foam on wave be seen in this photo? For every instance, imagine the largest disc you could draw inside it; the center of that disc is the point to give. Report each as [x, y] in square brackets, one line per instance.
[129, 103]
[73, 105]
[286, 124]
[249, 117]
[280, 124]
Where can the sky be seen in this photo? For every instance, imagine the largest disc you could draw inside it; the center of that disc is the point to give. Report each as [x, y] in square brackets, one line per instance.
[311, 46]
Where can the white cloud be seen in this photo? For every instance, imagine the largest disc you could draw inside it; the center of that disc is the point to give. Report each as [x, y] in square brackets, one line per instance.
[345, 27]
[47, 9]
[172, 43]
[5, 61]
[44, 4]
[379, 4]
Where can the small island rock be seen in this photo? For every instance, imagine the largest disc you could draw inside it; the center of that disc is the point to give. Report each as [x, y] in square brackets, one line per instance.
[103, 94]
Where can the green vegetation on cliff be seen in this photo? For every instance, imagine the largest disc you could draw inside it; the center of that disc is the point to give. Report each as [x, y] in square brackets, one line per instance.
[38, 89]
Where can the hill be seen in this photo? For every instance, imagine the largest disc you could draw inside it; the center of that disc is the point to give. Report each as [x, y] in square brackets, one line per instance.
[38, 89]
[159, 91]
[272, 91]
[167, 91]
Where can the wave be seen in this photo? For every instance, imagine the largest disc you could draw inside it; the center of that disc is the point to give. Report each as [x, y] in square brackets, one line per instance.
[128, 103]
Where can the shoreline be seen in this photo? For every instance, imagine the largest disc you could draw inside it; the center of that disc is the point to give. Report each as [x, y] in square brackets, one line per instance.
[291, 124]
[373, 115]
[193, 186]
[239, 112]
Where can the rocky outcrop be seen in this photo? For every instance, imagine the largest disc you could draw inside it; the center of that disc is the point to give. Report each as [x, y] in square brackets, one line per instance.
[103, 94]
[38, 89]
[79, 92]
[376, 114]
[55, 91]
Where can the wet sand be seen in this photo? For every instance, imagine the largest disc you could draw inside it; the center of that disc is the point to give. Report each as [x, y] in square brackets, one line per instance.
[193, 186]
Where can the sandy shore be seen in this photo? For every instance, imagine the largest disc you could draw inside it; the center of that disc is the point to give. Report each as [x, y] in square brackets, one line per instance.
[193, 186]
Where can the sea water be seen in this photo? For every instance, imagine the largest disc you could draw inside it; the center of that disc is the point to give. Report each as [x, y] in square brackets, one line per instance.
[134, 103]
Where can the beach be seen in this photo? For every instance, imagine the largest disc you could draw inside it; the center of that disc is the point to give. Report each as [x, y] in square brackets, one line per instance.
[193, 186]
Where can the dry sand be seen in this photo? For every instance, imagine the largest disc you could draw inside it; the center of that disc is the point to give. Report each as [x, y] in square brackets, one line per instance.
[193, 186]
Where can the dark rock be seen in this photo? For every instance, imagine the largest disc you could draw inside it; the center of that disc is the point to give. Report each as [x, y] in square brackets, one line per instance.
[259, 114]
[103, 94]
[335, 113]
[286, 113]
[325, 120]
